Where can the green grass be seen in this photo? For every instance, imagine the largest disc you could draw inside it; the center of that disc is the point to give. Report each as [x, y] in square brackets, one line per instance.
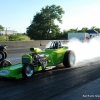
[24, 38]
[2, 38]
[14, 38]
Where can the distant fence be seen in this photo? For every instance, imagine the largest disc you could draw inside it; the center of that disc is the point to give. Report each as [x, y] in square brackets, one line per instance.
[22, 44]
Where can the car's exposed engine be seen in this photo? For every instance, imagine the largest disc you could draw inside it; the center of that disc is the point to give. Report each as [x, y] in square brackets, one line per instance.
[39, 60]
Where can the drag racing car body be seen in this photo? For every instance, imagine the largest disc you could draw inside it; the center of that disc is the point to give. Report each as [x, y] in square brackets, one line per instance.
[39, 60]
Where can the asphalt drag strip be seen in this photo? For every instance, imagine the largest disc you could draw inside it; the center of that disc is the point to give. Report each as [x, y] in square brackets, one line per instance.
[52, 84]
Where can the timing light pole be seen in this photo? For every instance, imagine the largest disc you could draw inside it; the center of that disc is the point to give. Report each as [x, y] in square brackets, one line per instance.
[6, 33]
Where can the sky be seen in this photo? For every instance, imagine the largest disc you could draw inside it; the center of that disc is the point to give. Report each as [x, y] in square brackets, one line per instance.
[17, 14]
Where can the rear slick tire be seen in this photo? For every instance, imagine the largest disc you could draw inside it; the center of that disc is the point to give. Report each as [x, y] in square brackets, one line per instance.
[69, 59]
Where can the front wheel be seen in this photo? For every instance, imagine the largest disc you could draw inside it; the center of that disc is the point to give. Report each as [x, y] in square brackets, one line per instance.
[69, 59]
[5, 53]
[5, 63]
[2, 56]
[27, 71]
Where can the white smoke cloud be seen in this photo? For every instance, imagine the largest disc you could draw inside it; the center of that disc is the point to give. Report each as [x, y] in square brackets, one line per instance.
[87, 51]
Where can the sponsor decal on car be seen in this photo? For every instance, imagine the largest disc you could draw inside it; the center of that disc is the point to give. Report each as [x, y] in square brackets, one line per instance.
[4, 72]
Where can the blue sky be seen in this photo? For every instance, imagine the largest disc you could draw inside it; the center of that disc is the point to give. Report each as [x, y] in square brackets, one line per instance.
[17, 14]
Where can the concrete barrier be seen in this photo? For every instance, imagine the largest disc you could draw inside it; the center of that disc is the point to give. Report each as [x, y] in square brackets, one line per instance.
[22, 44]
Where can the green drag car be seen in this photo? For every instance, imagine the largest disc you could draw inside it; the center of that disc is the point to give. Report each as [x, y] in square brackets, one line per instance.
[38, 60]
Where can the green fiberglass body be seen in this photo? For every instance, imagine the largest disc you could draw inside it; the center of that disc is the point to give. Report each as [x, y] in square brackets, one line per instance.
[38, 60]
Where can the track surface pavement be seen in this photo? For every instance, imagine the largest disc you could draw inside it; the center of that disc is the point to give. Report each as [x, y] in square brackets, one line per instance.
[49, 85]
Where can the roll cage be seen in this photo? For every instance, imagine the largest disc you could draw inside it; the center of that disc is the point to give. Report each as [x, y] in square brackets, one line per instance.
[54, 45]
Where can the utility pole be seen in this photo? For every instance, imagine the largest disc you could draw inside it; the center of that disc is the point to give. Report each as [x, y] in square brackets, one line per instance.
[6, 33]
[0, 32]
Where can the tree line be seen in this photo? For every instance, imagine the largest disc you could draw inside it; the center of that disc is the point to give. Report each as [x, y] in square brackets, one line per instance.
[43, 27]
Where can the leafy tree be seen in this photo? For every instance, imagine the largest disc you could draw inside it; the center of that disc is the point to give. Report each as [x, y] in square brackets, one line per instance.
[73, 30]
[43, 24]
[93, 27]
[1, 28]
[84, 29]
[64, 34]
[97, 29]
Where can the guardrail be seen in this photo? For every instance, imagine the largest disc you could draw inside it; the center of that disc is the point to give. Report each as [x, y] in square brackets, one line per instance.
[22, 44]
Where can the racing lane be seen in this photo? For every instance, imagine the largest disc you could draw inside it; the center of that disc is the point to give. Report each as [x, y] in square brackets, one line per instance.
[48, 85]
[14, 55]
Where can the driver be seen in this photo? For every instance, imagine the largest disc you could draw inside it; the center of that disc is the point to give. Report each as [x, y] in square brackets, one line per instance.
[55, 45]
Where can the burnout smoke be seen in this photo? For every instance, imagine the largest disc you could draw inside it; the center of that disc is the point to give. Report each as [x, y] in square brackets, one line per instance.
[85, 51]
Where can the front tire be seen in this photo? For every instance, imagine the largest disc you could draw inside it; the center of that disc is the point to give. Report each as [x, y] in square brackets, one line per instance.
[27, 71]
[69, 59]
[2, 56]
[5, 63]
[5, 53]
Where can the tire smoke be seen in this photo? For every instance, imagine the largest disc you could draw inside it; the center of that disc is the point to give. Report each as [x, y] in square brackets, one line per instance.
[87, 51]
